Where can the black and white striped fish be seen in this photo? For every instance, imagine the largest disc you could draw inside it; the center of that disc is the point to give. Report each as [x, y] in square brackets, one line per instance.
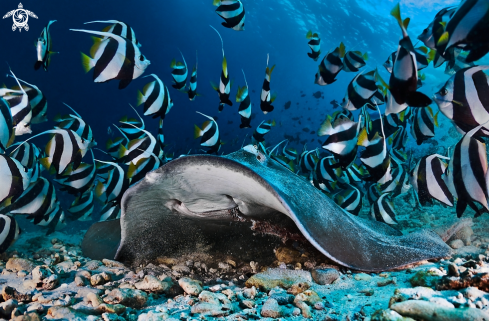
[329, 67]
[192, 85]
[289, 153]
[44, 48]
[315, 45]
[138, 171]
[422, 60]
[354, 174]
[399, 139]
[119, 28]
[28, 155]
[266, 97]
[156, 98]
[233, 12]
[383, 210]
[349, 199]
[132, 128]
[360, 91]
[465, 99]
[458, 63]
[324, 170]
[77, 181]
[436, 28]
[14, 178]
[82, 207]
[263, 129]
[115, 185]
[76, 123]
[38, 102]
[224, 88]
[114, 58]
[36, 201]
[399, 184]
[9, 232]
[375, 157]
[161, 136]
[354, 61]
[209, 135]
[423, 124]
[6, 127]
[428, 181]
[139, 148]
[468, 175]
[20, 108]
[342, 136]
[467, 28]
[179, 74]
[110, 211]
[403, 80]
[244, 110]
[373, 192]
[308, 160]
[54, 220]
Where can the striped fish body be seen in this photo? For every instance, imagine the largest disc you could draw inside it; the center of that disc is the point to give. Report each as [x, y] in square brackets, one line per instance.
[423, 124]
[324, 170]
[315, 45]
[308, 161]
[119, 28]
[360, 91]
[82, 207]
[233, 12]
[354, 174]
[114, 187]
[224, 88]
[342, 141]
[373, 193]
[192, 90]
[37, 100]
[138, 171]
[28, 154]
[37, 200]
[375, 158]
[9, 232]
[54, 221]
[179, 74]
[468, 174]
[245, 109]
[14, 178]
[161, 136]
[399, 184]
[458, 63]
[399, 139]
[262, 130]
[210, 136]
[398, 156]
[329, 67]
[77, 181]
[427, 180]
[156, 99]
[435, 29]
[265, 98]
[113, 146]
[350, 200]
[114, 58]
[21, 111]
[130, 132]
[469, 28]
[383, 210]
[44, 48]
[353, 61]
[421, 60]
[63, 149]
[465, 99]
[6, 125]
[78, 125]
[110, 211]
[289, 153]
[138, 149]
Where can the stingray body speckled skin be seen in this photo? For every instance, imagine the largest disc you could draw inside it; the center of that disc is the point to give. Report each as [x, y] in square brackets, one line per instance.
[187, 204]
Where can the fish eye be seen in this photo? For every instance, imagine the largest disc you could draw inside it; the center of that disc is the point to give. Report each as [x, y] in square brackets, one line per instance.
[141, 58]
[255, 146]
[443, 91]
[258, 157]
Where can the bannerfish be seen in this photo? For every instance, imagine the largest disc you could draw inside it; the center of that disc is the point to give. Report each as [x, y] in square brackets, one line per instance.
[243, 97]
[7, 133]
[423, 124]
[28, 155]
[266, 98]
[436, 28]
[329, 67]
[77, 181]
[465, 99]
[76, 123]
[161, 136]
[113, 188]
[20, 108]
[224, 88]
[179, 74]
[156, 98]
[360, 91]
[354, 61]
[262, 129]
[233, 12]
[81, 208]
[349, 199]
[37, 100]
[209, 135]
[383, 210]
[192, 86]
[428, 180]
[139, 148]
[315, 45]
[403, 80]
[54, 220]
[131, 127]
[14, 178]
[44, 48]
[119, 28]
[341, 140]
[114, 58]
[9, 232]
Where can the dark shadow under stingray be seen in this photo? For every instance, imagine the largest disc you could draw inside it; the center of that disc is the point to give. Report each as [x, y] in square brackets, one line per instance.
[195, 203]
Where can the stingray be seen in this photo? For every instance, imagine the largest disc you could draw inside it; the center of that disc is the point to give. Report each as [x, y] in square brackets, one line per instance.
[197, 200]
